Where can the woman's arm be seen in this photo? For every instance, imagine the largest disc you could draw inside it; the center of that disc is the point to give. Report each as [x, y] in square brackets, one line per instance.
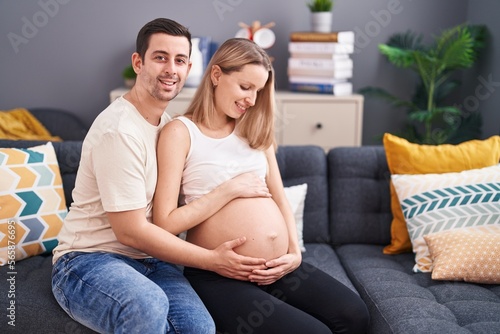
[277, 268]
[275, 185]
[173, 147]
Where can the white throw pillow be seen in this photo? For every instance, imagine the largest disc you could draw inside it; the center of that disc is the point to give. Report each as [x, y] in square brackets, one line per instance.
[296, 196]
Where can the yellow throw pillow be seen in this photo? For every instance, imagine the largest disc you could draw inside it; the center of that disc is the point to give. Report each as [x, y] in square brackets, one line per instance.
[404, 157]
[17, 124]
[470, 254]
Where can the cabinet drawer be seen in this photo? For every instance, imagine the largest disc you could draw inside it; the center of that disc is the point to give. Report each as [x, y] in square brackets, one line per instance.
[319, 123]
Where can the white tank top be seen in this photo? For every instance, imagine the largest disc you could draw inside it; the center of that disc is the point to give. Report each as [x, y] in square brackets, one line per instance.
[211, 161]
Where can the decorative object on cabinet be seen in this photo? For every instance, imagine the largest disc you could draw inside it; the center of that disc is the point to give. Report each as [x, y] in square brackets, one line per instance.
[321, 15]
[200, 56]
[431, 118]
[129, 76]
[321, 62]
[263, 36]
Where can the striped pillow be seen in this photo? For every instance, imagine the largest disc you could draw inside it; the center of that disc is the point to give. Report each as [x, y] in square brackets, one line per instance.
[434, 203]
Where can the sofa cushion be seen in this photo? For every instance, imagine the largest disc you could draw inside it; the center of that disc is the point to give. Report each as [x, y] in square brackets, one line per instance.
[61, 123]
[32, 202]
[323, 256]
[359, 199]
[33, 307]
[307, 164]
[401, 301]
[433, 203]
[404, 157]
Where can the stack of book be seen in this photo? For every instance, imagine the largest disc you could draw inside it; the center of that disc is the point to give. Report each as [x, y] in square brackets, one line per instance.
[321, 62]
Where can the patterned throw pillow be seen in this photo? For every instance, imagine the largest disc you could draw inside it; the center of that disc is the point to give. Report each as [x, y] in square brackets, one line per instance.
[468, 254]
[32, 203]
[434, 203]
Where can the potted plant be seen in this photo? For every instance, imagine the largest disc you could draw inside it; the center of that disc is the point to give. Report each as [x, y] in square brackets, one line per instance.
[129, 76]
[432, 119]
[321, 15]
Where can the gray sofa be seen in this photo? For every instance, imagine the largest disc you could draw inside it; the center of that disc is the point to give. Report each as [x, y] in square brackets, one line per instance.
[346, 224]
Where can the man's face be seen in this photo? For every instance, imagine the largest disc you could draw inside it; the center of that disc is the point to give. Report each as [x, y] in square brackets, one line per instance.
[165, 66]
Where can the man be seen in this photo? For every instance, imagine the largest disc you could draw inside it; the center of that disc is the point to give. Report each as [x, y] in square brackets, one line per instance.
[113, 269]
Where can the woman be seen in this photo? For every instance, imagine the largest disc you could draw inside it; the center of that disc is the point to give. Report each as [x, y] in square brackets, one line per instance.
[219, 160]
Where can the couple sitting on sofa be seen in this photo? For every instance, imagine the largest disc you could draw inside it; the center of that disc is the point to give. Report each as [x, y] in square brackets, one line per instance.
[219, 159]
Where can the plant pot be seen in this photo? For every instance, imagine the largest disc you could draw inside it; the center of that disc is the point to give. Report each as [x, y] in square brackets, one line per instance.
[321, 21]
[129, 83]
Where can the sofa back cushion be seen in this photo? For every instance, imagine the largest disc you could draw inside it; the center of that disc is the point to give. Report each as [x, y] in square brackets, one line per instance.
[307, 164]
[61, 123]
[359, 196]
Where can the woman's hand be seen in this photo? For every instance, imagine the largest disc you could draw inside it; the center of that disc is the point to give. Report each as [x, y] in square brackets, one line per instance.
[248, 185]
[276, 269]
[232, 265]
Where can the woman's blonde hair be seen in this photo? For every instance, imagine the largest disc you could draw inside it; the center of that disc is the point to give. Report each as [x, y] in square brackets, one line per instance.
[257, 124]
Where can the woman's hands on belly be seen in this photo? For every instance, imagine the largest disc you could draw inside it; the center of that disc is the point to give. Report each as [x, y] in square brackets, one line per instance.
[276, 269]
[257, 219]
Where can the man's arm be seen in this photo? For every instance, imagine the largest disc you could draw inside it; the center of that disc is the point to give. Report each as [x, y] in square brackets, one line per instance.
[132, 229]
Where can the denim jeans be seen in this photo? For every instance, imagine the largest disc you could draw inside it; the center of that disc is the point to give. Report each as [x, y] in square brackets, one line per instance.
[112, 293]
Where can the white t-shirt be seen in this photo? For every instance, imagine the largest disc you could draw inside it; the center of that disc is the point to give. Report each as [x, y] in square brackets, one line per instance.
[211, 161]
[117, 172]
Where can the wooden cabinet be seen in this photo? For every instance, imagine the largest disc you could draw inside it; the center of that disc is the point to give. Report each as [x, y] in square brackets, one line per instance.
[301, 119]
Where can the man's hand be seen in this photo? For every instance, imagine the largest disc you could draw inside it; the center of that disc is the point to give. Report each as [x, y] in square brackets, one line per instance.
[232, 265]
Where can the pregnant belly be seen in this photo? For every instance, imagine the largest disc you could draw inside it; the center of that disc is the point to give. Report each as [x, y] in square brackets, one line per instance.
[257, 219]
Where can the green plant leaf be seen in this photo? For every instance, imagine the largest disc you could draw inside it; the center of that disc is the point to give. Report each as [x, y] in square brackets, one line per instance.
[469, 127]
[449, 110]
[420, 116]
[406, 41]
[320, 5]
[399, 57]
[455, 48]
[129, 73]
[445, 89]
[479, 34]
[430, 120]
[385, 95]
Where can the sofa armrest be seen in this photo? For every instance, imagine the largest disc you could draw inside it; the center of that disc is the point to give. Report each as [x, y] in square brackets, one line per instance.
[61, 123]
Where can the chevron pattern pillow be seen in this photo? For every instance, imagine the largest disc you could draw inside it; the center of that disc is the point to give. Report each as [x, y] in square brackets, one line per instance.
[435, 203]
[32, 203]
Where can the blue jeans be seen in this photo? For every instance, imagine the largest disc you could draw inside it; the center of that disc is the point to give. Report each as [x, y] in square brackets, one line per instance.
[112, 293]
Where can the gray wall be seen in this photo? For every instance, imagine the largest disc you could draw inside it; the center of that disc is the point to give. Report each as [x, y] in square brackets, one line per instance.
[69, 54]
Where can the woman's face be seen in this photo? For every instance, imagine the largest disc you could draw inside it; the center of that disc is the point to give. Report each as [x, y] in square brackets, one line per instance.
[237, 91]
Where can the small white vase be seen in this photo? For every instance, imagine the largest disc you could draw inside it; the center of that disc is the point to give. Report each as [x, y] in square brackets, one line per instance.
[196, 72]
[321, 21]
